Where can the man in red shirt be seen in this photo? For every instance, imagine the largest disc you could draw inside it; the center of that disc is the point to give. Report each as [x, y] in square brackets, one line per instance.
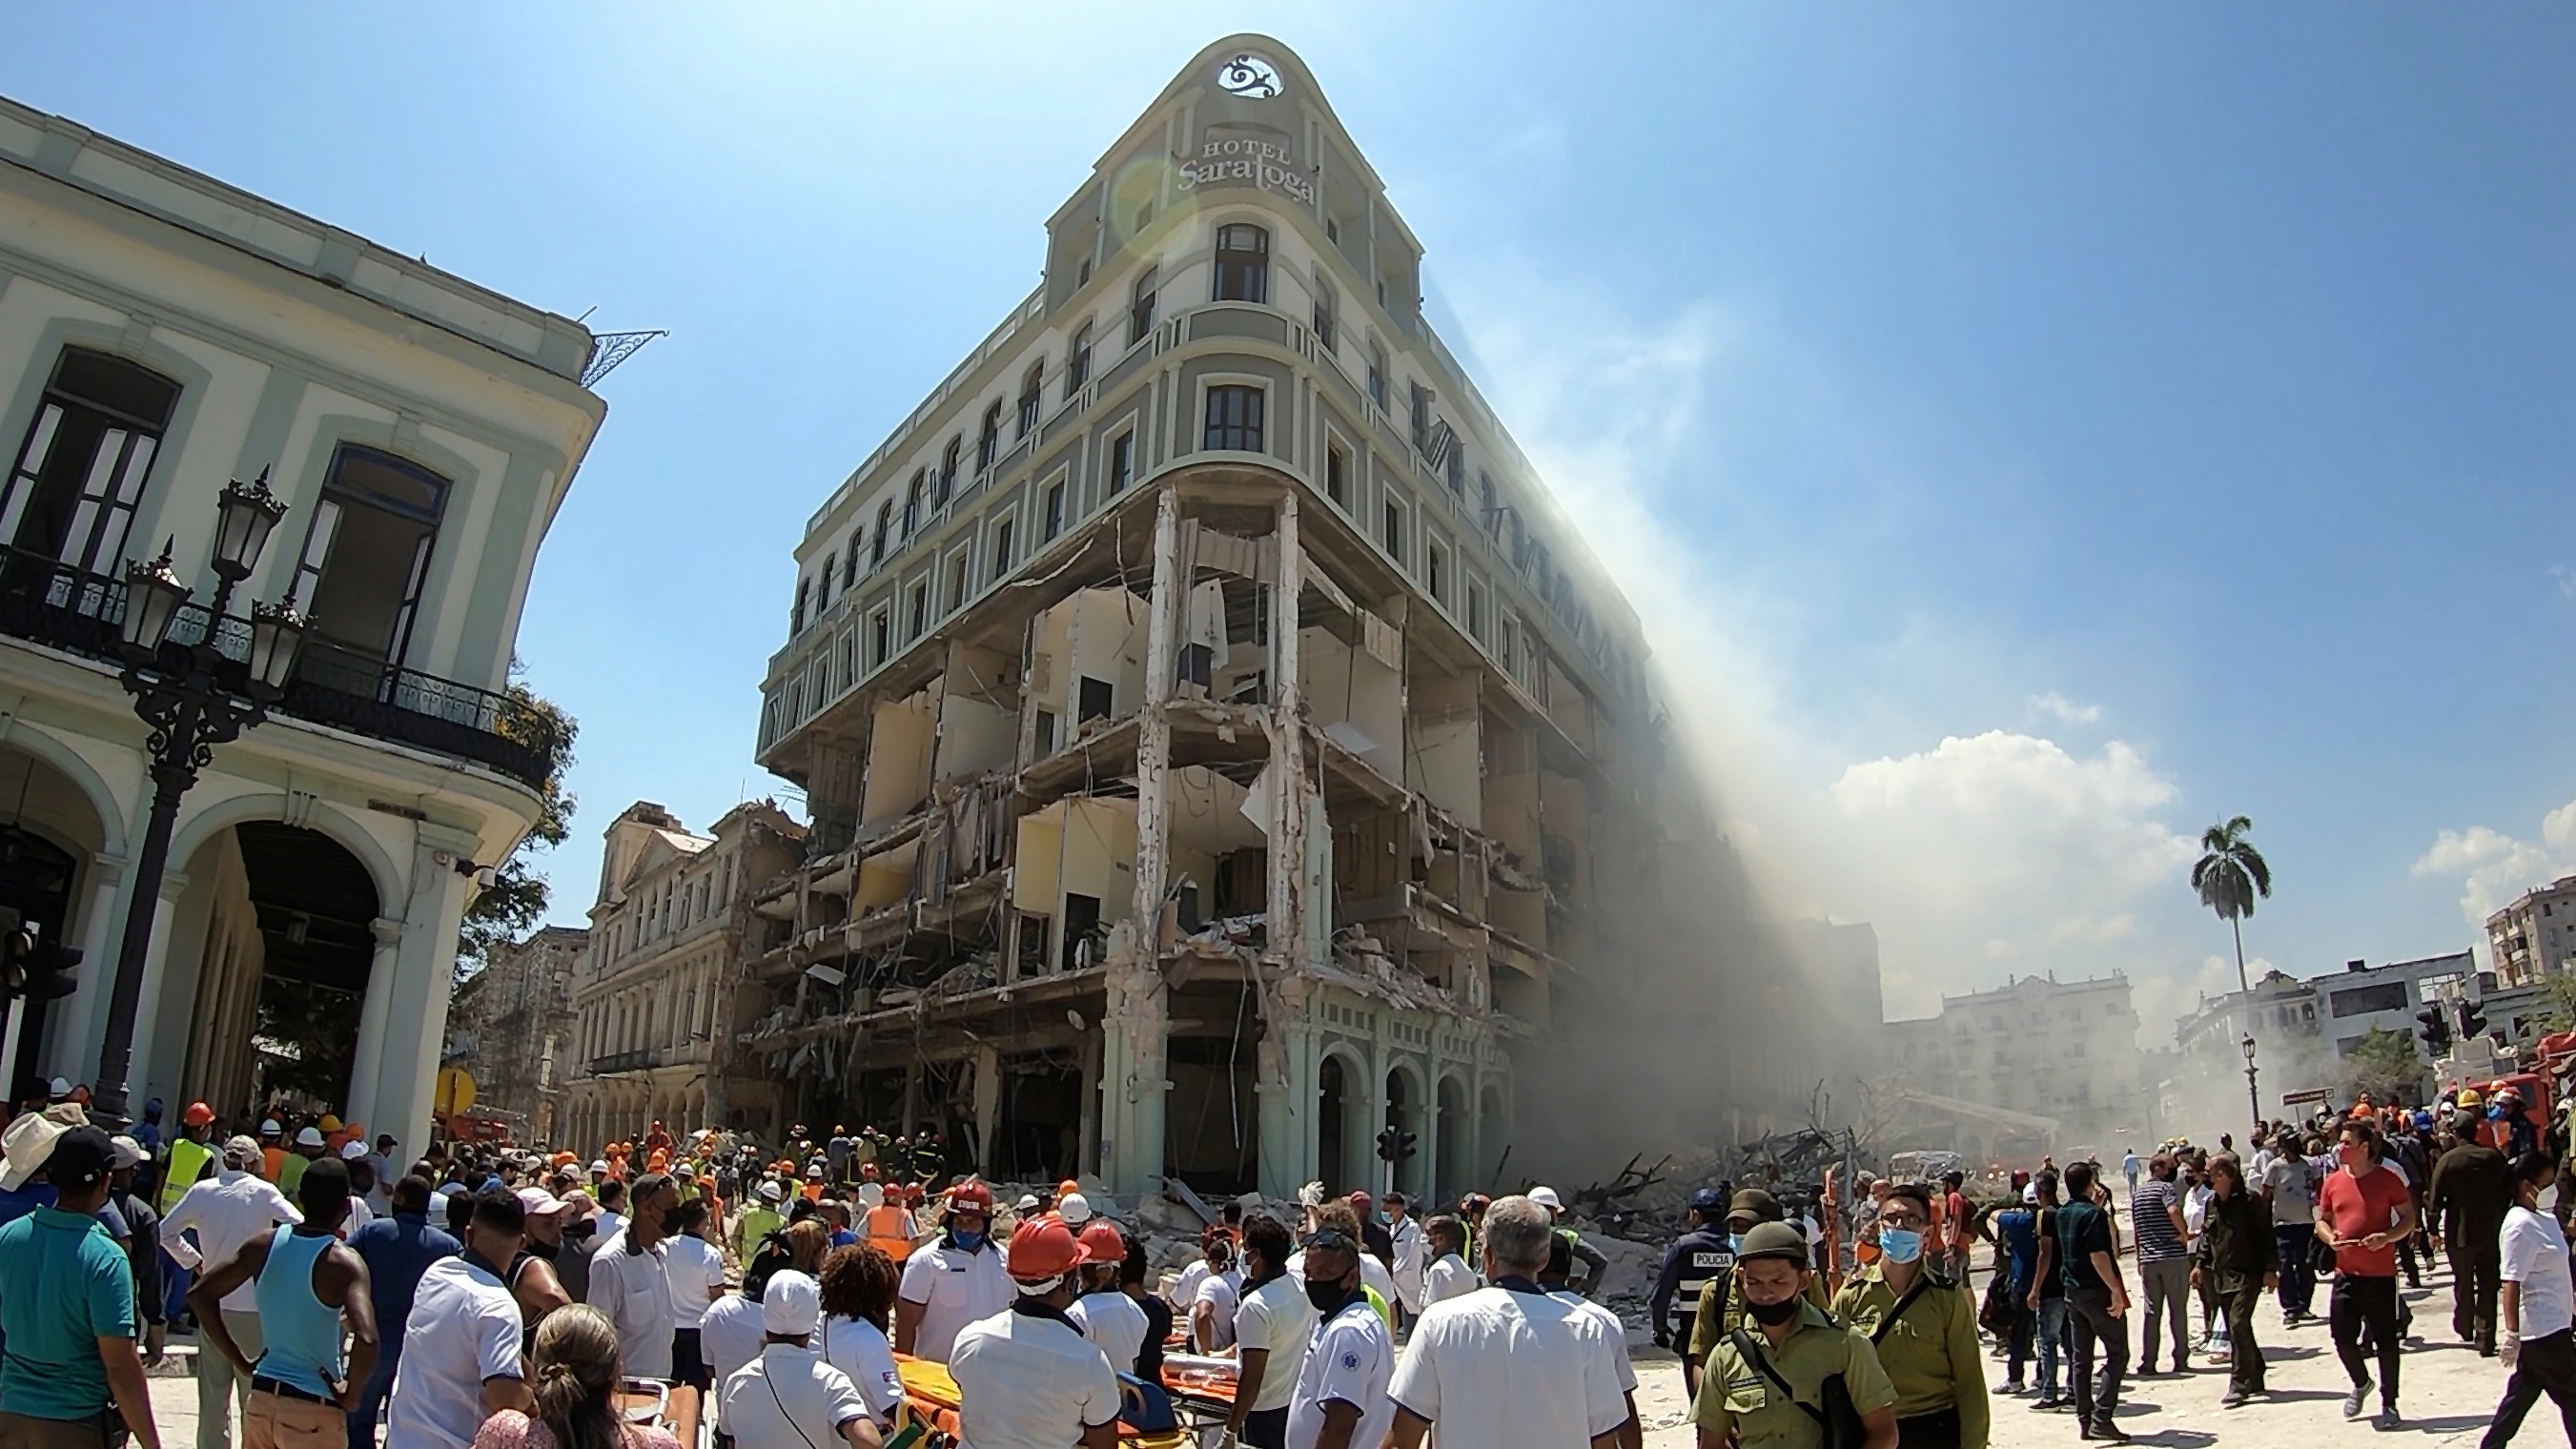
[2363, 1212]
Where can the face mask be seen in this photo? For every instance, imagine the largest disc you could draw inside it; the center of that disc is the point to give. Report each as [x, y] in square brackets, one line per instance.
[970, 1241]
[1735, 1242]
[1328, 1297]
[1901, 1245]
[1772, 1315]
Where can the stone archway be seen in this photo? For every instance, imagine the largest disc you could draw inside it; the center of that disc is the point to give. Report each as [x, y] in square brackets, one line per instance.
[1405, 1103]
[1493, 1138]
[1341, 1147]
[1456, 1134]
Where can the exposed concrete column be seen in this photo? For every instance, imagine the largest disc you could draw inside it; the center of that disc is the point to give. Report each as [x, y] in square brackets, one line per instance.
[911, 1097]
[1286, 923]
[363, 1105]
[1137, 1021]
[1087, 1136]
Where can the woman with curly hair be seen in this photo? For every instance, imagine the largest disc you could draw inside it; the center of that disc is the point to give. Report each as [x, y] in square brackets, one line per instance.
[859, 1287]
[573, 1375]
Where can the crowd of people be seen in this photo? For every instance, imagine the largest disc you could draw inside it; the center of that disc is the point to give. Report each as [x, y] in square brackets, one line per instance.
[510, 1299]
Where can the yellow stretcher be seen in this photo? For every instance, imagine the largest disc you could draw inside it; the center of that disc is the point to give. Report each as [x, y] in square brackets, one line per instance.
[930, 1400]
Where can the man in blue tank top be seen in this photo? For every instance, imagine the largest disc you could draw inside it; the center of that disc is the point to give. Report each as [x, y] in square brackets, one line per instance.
[308, 1284]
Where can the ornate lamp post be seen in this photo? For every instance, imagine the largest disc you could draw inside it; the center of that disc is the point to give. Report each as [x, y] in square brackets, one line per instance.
[2252, 1096]
[194, 697]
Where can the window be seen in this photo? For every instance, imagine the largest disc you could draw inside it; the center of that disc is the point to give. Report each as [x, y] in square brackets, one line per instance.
[877, 639]
[916, 610]
[1031, 386]
[1377, 376]
[1122, 462]
[1054, 510]
[960, 575]
[823, 594]
[1337, 474]
[2362, 999]
[1242, 263]
[1082, 274]
[1077, 364]
[1233, 419]
[885, 525]
[850, 562]
[947, 473]
[1421, 418]
[1140, 307]
[1323, 311]
[81, 471]
[796, 616]
[1332, 231]
[1487, 508]
[1435, 568]
[1002, 559]
[988, 437]
[365, 558]
[912, 501]
[1391, 528]
[1476, 612]
[1457, 468]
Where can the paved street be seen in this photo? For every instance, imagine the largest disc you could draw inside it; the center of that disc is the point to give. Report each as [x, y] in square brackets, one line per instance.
[2449, 1394]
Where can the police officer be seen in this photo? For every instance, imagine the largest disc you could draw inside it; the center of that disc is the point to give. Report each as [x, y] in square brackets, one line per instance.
[1702, 1252]
[1764, 1388]
[1750, 1208]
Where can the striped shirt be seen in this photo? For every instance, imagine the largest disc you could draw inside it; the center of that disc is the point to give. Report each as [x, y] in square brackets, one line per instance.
[2151, 1220]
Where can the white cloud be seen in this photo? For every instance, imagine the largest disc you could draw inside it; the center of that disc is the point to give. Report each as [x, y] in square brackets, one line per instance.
[2493, 867]
[2066, 710]
[2565, 578]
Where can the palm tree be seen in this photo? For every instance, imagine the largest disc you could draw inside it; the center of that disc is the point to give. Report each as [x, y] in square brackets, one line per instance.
[2228, 876]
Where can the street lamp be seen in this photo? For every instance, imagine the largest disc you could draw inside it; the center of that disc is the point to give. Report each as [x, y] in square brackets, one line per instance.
[195, 697]
[2251, 1095]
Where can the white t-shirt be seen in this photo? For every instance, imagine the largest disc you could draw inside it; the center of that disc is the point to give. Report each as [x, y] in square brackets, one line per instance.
[954, 1288]
[1614, 1335]
[788, 1399]
[1349, 1359]
[1503, 1367]
[855, 1347]
[2535, 1256]
[1029, 1381]
[607, 1225]
[1223, 1293]
[1448, 1278]
[729, 1336]
[1185, 1289]
[1115, 1322]
[463, 1329]
[1276, 1316]
[695, 1268]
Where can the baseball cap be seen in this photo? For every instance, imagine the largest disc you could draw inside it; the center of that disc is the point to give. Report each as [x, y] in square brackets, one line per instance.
[240, 1150]
[1706, 1200]
[80, 1158]
[126, 1152]
[536, 1202]
[793, 1303]
[58, 1088]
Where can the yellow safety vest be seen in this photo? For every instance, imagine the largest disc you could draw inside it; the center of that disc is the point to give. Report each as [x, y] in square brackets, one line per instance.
[179, 1173]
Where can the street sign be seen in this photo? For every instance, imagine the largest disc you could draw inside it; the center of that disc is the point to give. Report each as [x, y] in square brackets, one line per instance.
[2312, 1094]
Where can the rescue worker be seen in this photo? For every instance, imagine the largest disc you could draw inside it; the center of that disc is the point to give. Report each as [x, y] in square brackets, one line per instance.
[885, 1226]
[1028, 1376]
[1720, 1307]
[758, 1220]
[1764, 1388]
[956, 1280]
[1594, 1265]
[189, 1156]
[1699, 1254]
[1104, 1312]
[1924, 1326]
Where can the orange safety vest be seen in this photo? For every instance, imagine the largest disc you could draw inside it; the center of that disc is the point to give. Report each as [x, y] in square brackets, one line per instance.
[884, 1231]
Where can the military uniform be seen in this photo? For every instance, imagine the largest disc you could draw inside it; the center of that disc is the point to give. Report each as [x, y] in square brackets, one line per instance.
[1736, 1395]
[1931, 1355]
[1720, 1310]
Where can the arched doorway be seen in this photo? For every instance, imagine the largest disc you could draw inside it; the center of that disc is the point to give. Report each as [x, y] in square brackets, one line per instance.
[1332, 1124]
[1457, 1137]
[284, 918]
[54, 830]
[1404, 1103]
[1493, 1138]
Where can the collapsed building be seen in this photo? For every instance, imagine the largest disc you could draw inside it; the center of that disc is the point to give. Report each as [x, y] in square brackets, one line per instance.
[1218, 745]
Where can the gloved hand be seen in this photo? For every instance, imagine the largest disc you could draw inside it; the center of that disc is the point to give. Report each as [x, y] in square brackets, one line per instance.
[1663, 1339]
[2509, 1347]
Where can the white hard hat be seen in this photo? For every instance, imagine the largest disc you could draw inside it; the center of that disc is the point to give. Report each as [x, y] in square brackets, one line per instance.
[1074, 1208]
[1546, 1197]
[309, 1137]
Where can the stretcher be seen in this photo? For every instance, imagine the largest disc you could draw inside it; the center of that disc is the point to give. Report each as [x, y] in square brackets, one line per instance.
[930, 1400]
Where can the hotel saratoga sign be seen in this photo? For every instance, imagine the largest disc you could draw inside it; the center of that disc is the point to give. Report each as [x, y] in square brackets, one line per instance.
[1246, 161]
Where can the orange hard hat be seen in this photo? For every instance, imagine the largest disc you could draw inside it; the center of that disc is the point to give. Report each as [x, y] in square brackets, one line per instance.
[1066, 1186]
[1043, 1248]
[974, 1197]
[1100, 1242]
[197, 1115]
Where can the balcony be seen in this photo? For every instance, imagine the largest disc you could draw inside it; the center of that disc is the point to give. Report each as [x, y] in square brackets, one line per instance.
[49, 603]
[634, 1061]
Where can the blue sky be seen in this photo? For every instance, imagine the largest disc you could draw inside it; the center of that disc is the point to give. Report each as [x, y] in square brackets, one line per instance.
[2029, 439]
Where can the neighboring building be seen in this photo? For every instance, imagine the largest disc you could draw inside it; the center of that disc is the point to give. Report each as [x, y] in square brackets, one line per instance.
[510, 1028]
[162, 333]
[1218, 743]
[2066, 1050]
[2535, 935]
[657, 995]
[2302, 1028]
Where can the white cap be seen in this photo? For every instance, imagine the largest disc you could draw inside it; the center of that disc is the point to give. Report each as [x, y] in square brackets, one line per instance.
[793, 1303]
[769, 1192]
[352, 1150]
[536, 1202]
[599, 1164]
[1546, 1197]
[124, 1151]
[1074, 1208]
[309, 1137]
[1028, 1203]
[59, 1087]
[240, 1150]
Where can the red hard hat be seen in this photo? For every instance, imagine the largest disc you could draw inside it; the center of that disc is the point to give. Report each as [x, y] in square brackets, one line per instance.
[1100, 1242]
[197, 1115]
[972, 1196]
[1041, 1248]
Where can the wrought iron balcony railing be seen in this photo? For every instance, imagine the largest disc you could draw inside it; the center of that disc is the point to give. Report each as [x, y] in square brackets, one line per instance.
[71, 609]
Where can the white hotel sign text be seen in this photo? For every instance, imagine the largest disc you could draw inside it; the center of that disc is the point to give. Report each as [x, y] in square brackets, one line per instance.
[1242, 161]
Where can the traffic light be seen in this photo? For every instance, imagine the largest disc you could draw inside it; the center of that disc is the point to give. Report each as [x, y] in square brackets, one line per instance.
[2473, 1019]
[1386, 1144]
[30, 966]
[2437, 1030]
[1404, 1144]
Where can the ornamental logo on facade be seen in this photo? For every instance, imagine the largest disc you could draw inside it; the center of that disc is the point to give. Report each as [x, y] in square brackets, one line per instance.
[1250, 76]
[1247, 161]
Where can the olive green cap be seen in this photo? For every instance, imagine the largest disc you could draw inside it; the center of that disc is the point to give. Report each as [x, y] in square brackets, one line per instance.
[1756, 1204]
[1773, 1240]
